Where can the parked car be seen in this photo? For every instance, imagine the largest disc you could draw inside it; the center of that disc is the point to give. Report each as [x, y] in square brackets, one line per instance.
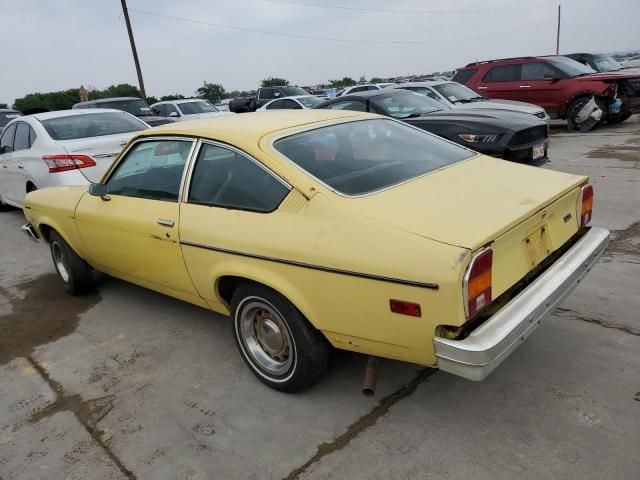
[514, 136]
[601, 63]
[363, 88]
[565, 88]
[134, 106]
[187, 109]
[6, 115]
[223, 105]
[67, 147]
[263, 95]
[456, 95]
[356, 246]
[293, 103]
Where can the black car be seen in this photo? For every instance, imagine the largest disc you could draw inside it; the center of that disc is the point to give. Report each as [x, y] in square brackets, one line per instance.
[514, 136]
[134, 106]
[6, 115]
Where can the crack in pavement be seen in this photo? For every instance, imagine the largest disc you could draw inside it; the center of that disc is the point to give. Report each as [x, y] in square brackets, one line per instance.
[363, 423]
[568, 313]
[89, 413]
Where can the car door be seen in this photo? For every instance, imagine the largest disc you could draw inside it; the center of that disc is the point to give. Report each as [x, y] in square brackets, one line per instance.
[132, 233]
[21, 159]
[230, 205]
[501, 81]
[6, 160]
[541, 84]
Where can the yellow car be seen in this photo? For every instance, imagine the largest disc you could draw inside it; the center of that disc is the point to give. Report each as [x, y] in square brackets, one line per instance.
[317, 229]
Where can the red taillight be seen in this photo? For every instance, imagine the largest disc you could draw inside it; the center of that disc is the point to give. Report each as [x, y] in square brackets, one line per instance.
[477, 282]
[62, 163]
[405, 308]
[585, 204]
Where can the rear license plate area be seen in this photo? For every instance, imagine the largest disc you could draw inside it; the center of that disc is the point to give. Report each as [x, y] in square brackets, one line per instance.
[537, 245]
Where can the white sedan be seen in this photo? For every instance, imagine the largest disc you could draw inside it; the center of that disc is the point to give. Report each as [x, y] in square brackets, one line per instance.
[295, 102]
[187, 109]
[68, 147]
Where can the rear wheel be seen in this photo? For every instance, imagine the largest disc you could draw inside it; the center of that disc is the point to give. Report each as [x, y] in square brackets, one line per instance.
[275, 340]
[75, 273]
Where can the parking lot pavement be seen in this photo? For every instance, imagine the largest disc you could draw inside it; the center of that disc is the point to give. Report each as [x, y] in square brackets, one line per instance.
[126, 383]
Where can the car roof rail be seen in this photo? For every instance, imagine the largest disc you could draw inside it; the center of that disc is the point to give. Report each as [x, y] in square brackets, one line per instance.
[499, 60]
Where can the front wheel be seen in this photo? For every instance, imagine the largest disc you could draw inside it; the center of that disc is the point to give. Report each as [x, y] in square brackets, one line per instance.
[75, 273]
[275, 340]
[574, 112]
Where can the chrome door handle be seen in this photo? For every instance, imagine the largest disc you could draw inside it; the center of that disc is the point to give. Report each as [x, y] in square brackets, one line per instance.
[20, 165]
[482, 88]
[525, 86]
[165, 223]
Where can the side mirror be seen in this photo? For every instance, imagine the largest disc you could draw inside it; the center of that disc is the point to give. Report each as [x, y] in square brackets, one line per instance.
[174, 114]
[99, 190]
[277, 94]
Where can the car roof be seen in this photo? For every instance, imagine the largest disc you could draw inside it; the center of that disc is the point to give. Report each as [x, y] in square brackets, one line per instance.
[249, 128]
[71, 113]
[9, 110]
[103, 100]
[424, 83]
[292, 96]
[181, 100]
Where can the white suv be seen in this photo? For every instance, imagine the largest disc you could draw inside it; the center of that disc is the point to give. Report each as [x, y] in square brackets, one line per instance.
[187, 109]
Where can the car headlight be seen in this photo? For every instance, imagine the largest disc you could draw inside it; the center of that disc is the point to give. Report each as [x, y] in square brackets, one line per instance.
[479, 138]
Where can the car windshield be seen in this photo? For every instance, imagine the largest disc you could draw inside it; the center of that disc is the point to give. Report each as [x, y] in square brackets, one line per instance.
[91, 125]
[137, 107]
[359, 157]
[456, 93]
[195, 107]
[570, 67]
[310, 102]
[407, 104]
[6, 117]
[292, 91]
[604, 63]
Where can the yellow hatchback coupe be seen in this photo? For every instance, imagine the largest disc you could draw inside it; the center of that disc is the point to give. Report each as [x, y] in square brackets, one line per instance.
[315, 229]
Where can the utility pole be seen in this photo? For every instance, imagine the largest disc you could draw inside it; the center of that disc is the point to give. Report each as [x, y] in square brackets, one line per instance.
[557, 36]
[133, 48]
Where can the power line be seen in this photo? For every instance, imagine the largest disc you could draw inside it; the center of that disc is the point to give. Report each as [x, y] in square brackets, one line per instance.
[414, 12]
[332, 39]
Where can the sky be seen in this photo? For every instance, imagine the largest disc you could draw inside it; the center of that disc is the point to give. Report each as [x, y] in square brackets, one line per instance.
[53, 45]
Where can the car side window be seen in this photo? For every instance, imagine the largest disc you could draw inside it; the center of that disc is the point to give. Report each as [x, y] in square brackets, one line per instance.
[225, 178]
[503, 73]
[6, 141]
[537, 71]
[276, 105]
[267, 93]
[358, 89]
[170, 109]
[463, 76]
[290, 104]
[32, 137]
[348, 105]
[21, 139]
[159, 110]
[151, 169]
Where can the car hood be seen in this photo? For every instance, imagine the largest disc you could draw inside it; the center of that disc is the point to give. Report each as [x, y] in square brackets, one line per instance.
[498, 119]
[607, 76]
[469, 203]
[511, 105]
[103, 150]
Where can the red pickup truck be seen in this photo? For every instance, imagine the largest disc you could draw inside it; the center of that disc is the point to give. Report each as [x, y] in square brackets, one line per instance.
[565, 88]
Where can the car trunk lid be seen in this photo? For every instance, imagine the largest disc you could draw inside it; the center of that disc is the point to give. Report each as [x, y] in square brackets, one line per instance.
[102, 150]
[524, 213]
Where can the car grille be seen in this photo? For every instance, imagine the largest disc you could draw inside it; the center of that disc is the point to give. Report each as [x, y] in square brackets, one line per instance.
[528, 135]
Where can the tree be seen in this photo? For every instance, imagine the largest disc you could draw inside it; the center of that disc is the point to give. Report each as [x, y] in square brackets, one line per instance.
[151, 100]
[62, 100]
[213, 92]
[345, 82]
[363, 79]
[377, 80]
[175, 96]
[4, 105]
[275, 82]
[120, 90]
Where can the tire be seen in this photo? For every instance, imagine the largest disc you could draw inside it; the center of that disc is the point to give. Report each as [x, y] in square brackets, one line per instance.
[276, 341]
[572, 111]
[75, 273]
[3, 206]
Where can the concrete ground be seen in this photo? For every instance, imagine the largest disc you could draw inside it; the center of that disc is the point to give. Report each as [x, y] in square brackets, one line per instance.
[127, 383]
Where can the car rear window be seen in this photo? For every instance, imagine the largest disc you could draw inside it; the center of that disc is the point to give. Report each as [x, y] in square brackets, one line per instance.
[360, 157]
[91, 125]
[463, 76]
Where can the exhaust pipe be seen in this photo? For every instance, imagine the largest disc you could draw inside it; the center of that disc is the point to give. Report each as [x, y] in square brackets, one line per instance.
[370, 377]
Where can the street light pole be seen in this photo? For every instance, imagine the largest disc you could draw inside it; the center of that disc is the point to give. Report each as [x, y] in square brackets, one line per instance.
[133, 48]
[557, 36]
